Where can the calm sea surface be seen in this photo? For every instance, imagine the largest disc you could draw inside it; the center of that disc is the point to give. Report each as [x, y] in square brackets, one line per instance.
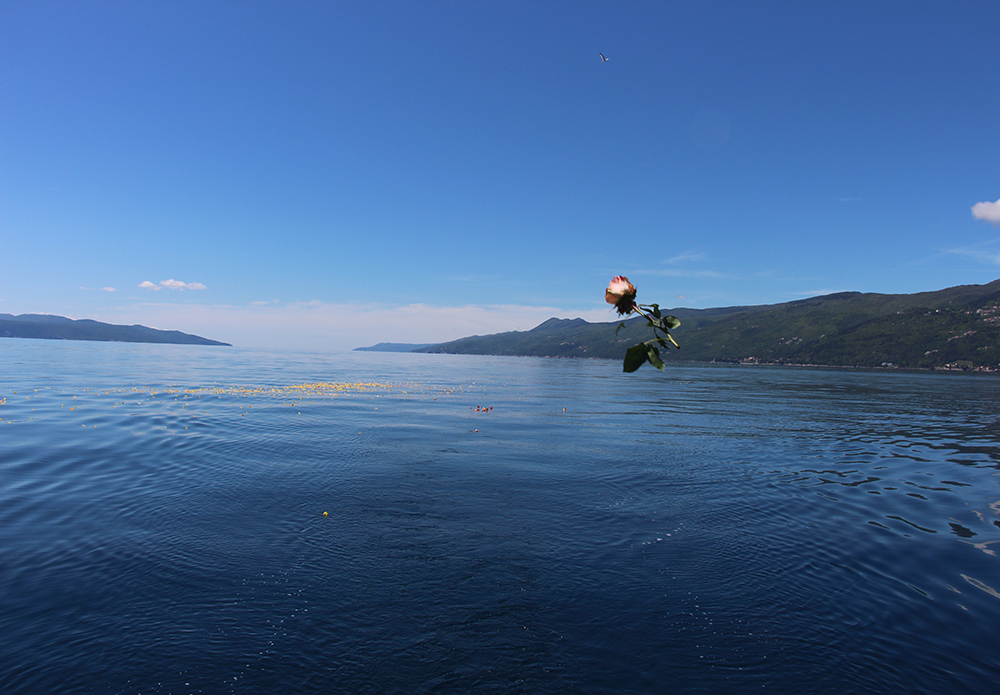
[507, 525]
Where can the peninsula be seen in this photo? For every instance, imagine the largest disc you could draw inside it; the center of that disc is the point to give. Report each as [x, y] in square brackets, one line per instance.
[955, 329]
[61, 328]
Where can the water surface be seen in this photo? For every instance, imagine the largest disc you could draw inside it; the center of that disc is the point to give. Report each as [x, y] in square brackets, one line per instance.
[511, 525]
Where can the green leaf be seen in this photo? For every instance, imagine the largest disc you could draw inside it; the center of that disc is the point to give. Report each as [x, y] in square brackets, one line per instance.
[620, 326]
[653, 355]
[671, 321]
[635, 357]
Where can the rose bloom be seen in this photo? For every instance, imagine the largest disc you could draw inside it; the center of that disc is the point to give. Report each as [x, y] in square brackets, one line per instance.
[621, 293]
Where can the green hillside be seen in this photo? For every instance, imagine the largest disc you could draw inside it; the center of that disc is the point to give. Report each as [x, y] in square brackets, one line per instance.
[957, 327]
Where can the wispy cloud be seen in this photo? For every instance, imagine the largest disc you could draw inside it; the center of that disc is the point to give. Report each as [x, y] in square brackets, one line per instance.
[171, 285]
[988, 212]
[686, 257]
[680, 267]
[988, 252]
[103, 289]
[682, 273]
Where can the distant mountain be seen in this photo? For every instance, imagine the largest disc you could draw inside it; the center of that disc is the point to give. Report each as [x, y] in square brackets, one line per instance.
[61, 328]
[393, 347]
[955, 328]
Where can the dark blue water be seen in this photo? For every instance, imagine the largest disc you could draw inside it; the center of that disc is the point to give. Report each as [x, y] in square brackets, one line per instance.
[508, 525]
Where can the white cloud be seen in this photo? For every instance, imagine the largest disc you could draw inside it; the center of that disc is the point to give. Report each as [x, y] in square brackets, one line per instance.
[988, 212]
[108, 289]
[341, 327]
[171, 284]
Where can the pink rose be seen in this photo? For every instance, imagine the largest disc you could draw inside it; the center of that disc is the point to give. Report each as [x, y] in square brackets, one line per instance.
[621, 293]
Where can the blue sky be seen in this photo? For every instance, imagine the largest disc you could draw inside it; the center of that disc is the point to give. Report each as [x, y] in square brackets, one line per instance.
[335, 174]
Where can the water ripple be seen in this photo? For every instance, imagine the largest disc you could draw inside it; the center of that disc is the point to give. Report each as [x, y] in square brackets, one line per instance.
[535, 526]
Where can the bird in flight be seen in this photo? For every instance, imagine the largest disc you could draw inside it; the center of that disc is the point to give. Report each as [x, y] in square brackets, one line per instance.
[603, 59]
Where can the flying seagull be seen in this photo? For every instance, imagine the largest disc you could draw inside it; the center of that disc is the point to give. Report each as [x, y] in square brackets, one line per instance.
[603, 59]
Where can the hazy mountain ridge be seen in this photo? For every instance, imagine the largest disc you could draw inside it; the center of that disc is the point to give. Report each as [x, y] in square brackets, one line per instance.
[48, 327]
[954, 328]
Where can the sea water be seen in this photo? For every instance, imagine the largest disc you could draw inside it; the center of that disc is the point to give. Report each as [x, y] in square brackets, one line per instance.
[184, 519]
